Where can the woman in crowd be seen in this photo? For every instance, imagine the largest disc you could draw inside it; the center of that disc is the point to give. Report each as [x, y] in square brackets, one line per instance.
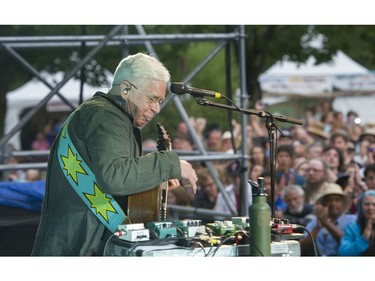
[359, 237]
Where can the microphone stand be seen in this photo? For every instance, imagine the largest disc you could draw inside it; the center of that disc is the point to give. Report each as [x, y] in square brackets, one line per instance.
[271, 125]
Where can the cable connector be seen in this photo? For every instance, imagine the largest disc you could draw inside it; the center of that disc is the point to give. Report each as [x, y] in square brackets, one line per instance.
[119, 233]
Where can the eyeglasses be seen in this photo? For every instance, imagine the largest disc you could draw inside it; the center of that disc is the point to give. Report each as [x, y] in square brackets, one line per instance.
[150, 100]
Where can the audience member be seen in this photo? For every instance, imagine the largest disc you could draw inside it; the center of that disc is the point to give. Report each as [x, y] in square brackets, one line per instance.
[317, 133]
[258, 156]
[355, 132]
[351, 119]
[232, 189]
[370, 154]
[334, 159]
[226, 144]
[330, 222]
[16, 174]
[368, 133]
[285, 173]
[207, 192]
[362, 156]
[199, 125]
[327, 119]
[257, 132]
[255, 172]
[355, 178]
[230, 140]
[369, 176]
[40, 142]
[300, 134]
[359, 237]
[212, 137]
[182, 142]
[182, 128]
[338, 121]
[314, 150]
[315, 179]
[297, 210]
[302, 167]
[33, 175]
[323, 107]
[341, 140]
[285, 138]
[180, 197]
[49, 130]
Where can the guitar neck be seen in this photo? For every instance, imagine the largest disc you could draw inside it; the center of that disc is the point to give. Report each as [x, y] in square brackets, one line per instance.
[164, 144]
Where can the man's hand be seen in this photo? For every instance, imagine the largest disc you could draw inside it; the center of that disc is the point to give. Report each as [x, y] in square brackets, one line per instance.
[188, 175]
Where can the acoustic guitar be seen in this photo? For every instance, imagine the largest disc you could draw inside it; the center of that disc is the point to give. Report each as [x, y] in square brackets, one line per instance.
[151, 205]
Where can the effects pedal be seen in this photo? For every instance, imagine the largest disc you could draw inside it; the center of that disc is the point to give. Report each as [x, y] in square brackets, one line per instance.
[281, 226]
[222, 228]
[286, 230]
[162, 229]
[242, 223]
[133, 232]
[191, 228]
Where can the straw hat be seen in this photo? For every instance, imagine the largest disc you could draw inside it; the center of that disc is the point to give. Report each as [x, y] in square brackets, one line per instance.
[317, 129]
[368, 133]
[334, 188]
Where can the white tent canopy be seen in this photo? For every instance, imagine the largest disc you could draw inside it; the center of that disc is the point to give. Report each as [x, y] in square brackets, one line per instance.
[351, 84]
[306, 79]
[31, 93]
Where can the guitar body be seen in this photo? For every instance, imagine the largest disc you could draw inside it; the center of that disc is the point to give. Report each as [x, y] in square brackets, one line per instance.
[151, 205]
[144, 207]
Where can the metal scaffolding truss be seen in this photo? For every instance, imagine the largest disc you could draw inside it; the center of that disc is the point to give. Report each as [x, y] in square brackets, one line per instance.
[116, 37]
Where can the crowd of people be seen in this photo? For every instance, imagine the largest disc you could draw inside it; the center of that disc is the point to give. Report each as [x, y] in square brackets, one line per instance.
[324, 177]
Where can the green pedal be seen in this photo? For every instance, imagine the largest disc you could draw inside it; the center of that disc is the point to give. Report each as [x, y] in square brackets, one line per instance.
[162, 229]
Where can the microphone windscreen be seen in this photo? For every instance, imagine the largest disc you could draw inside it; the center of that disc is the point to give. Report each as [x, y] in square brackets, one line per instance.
[177, 88]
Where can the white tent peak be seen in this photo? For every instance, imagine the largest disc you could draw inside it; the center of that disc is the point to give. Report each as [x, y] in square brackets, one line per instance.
[341, 64]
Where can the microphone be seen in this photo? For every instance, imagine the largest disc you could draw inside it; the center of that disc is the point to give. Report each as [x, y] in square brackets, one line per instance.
[179, 89]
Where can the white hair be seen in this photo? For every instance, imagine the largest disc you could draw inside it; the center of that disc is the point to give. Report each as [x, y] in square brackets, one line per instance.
[139, 68]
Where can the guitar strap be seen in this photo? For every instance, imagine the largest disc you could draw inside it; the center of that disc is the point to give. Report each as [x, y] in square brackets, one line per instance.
[83, 181]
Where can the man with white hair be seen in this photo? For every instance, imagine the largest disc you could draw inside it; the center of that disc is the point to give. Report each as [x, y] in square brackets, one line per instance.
[297, 210]
[96, 162]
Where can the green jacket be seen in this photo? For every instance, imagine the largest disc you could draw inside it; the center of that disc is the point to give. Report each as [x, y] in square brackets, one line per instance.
[104, 135]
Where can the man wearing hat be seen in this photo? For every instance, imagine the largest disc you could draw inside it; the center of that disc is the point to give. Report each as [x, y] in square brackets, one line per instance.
[329, 223]
[317, 132]
[368, 133]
